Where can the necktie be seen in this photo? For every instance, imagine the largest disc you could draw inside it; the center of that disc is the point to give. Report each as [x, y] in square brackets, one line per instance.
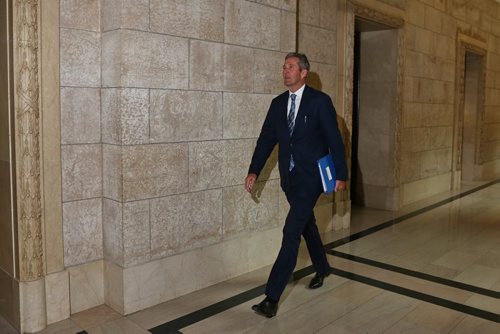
[291, 124]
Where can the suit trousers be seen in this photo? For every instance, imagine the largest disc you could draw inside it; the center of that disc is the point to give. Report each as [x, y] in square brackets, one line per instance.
[299, 221]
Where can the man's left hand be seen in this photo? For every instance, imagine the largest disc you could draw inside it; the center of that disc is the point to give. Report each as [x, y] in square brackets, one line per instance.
[340, 185]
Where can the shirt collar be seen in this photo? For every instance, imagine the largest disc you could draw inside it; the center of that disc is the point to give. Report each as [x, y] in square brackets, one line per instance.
[298, 92]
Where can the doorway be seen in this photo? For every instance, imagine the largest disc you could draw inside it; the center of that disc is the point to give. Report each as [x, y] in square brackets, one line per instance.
[374, 114]
[470, 166]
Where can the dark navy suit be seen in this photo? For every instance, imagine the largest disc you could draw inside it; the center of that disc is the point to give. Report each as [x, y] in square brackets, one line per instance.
[315, 134]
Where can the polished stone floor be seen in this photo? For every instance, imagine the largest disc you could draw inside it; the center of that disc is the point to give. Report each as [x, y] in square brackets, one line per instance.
[432, 268]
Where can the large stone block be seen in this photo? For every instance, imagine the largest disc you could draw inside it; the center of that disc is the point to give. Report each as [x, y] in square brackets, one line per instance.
[328, 14]
[244, 213]
[136, 233]
[129, 62]
[206, 65]
[82, 229]
[309, 12]
[206, 165]
[244, 114]
[238, 68]
[201, 19]
[125, 116]
[290, 5]
[81, 172]
[185, 115]
[154, 170]
[131, 14]
[288, 36]
[112, 214]
[78, 14]
[112, 182]
[427, 114]
[186, 221]
[80, 58]
[319, 44]
[80, 115]
[420, 165]
[323, 77]
[268, 76]
[252, 24]
[237, 157]
[86, 285]
[424, 139]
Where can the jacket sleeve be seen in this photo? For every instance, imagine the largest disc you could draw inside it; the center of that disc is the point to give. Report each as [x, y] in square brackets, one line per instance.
[331, 133]
[265, 143]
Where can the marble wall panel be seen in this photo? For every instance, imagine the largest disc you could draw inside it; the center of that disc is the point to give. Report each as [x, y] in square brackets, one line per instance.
[136, 233]
[268, 72]
[418, 190]
[244, 213]
[288, 35]
[82, 230]
[252, 24]
[186, 221]
[185, 115]
[244, 114]
[206, 65]
[80, 58]
[270, 170]
[328, 14]
[320, 44]
[125, 14]
[81, 171]
[206, 165]
[86, 283]
[273, 3]
[112, 170]
[128, 62]
[154, 170]
[237, 155]
[80, 115]
[78, 14]
[416, 13]
[125, 116]
[433, 19]
[113, 286]
[200, 19]
[420, 165]
[427, 114]
[290, 5]
[57, 296]
[112, 231]
[323, 77]
[238, 68]
[309, 12]
[425, 139]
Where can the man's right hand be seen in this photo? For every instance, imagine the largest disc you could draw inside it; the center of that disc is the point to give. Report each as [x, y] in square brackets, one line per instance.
[250, 181]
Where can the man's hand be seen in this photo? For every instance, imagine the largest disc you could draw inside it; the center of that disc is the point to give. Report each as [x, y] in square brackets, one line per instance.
[340, 185]
[249, 182]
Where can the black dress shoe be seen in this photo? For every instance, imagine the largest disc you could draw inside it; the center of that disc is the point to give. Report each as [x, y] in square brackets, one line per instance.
[317, 280]
[267, 308]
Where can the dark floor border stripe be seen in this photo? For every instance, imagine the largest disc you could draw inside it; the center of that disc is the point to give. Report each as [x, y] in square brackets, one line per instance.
[173, 326]
[409, 215]
[82, 332]
[419, 295]
[417, 274]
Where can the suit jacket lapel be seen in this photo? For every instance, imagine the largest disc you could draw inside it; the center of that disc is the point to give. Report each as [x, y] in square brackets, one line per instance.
[299, 120]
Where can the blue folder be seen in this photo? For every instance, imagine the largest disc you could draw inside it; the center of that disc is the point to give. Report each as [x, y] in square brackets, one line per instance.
[327, 172]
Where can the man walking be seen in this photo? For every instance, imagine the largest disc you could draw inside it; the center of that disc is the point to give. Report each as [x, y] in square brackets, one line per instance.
[303, 122]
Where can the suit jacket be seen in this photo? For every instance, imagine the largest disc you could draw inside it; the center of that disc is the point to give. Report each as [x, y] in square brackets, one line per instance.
[315, 134]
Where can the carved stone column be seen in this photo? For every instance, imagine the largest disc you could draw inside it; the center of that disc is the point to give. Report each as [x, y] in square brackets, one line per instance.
[27, 152]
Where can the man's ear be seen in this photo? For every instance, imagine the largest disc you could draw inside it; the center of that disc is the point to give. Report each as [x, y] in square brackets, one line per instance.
[303, 73]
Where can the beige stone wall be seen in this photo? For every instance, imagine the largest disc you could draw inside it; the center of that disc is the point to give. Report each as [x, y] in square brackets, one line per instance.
[430, 114]
[161, 104]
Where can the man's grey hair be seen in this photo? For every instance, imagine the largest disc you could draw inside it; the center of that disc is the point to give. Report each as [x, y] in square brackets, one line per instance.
[303, 62]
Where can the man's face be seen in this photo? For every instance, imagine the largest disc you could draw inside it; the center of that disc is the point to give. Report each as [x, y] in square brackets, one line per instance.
[293, 76]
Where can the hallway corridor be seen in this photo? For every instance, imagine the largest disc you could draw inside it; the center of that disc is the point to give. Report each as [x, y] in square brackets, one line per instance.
[433, 268]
